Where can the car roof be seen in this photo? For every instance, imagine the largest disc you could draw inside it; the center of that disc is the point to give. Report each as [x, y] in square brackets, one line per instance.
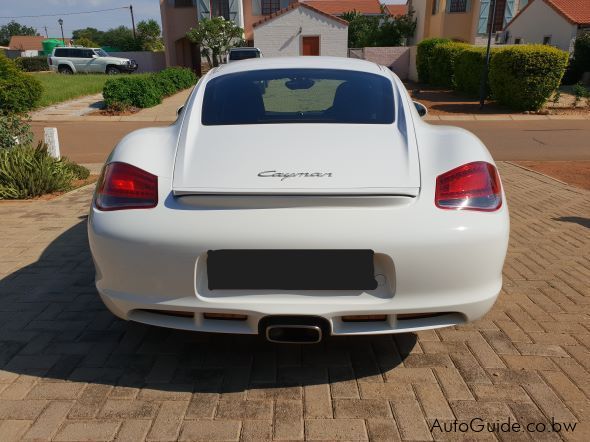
[310, 62]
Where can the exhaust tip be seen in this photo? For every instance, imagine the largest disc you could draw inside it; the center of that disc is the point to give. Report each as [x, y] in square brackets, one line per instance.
[293, 334]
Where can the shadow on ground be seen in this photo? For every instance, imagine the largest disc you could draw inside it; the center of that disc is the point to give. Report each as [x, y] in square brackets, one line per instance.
[54, 325]
[584, 222]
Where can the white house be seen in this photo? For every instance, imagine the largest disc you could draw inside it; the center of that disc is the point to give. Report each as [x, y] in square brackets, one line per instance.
[551, 22]
[301, 29]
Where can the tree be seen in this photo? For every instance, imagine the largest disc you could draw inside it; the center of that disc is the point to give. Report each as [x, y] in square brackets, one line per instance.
[216, 36]
[121, 38]
[380, 30]
[14, 28]
[148, 32]
[86, 42]
[91, 34]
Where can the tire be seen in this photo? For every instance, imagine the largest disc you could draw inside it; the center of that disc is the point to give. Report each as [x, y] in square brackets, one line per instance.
[112, 70]
[65, 69]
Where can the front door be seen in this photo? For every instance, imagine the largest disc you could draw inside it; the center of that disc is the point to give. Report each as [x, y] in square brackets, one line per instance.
[310, 45]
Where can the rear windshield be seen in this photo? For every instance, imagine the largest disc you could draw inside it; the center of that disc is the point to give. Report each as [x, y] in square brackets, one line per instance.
[243, 54]
[298, 96]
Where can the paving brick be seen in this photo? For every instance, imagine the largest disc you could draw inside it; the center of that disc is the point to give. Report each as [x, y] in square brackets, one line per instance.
[88, 431]
[256, 430]
[410, 420]
[382, 430]
[207, 430]
[251, 409]
[166, 426]
[56, 390]
[202, 406]
[453, 385]
[124, 409]
[21, 409]
[361, 408]
[133, 430]
[433, 402]
[49, 421]
[288, 420]
[318, 402]
[13, 430]
[335, 429]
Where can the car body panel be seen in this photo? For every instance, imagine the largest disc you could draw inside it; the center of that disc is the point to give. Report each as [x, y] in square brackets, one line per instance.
[427, 260]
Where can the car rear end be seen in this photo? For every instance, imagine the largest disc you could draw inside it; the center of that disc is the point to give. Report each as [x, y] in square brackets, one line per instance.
[299, 228]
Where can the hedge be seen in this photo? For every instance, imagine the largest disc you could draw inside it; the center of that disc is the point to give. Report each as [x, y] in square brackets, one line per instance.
[19, 92]
[469, 65]
[425, 48]
[525, 77]
[32, 64]
[581, 59]
[146, 90]
[442, 63]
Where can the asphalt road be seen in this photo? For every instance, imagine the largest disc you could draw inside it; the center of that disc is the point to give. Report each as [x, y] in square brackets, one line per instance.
[91, 142]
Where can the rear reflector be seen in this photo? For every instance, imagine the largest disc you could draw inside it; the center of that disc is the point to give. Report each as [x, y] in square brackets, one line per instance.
[473, 186]
[364, 318]
[225, 316]
[123, 186]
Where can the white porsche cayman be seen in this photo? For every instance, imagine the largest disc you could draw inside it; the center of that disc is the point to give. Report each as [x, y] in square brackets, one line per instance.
[298, 197]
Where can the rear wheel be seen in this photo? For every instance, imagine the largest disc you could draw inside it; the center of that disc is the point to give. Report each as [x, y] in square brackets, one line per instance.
[65, 69]
[112, 70]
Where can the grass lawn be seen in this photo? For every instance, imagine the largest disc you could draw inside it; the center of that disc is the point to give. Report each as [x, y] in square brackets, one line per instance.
[58, 88]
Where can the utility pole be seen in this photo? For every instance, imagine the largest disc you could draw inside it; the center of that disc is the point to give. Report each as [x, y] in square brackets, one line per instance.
[46, 34]
[484, 76]
[132, 20]
[61, 25]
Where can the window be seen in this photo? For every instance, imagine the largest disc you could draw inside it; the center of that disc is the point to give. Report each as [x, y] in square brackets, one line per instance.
[547, 40]
[243, 54]
[270, 6]
[458, 6]
[183, 3]
[298, 96]
[517, 41]
[86, 53]
[60, 53]
[220, 8]
[435, 6]
[101, 53]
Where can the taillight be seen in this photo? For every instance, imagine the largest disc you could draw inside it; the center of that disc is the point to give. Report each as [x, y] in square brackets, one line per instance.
[123, 186]
[473, 186]
[50, 61]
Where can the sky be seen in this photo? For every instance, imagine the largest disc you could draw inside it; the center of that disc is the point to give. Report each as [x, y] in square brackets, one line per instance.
[142, 9]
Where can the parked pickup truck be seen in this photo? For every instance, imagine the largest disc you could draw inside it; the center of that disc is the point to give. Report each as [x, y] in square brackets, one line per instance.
[88, 61]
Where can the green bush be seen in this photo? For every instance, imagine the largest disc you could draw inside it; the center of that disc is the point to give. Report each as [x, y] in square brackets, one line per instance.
[80, 172]
[132, 90]
[581, 59]
[425, 48]
[146, 90]
[469, 65]
[19, 92]
[14, 131]
[182, 78]
[27, 172]
[32, 64]
[442, 63]
[525, 77]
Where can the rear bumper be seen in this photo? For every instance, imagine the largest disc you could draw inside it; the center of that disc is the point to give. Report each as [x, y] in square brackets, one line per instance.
[427, 260]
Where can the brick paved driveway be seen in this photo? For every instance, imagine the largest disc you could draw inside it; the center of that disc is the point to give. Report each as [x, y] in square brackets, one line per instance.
[71, 371]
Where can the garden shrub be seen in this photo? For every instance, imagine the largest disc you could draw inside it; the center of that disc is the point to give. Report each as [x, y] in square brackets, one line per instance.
[80, 172]
[425, 48]
[469, 66]
[525, 77]
[581, 59]
[132, 90]
[14, 131]
[32, 64]
[26, 172]
[146, 90]
[442, 63]
[19, 92]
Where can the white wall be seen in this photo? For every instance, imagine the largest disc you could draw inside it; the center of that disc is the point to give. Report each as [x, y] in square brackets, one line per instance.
[419, 7]
[281, 36]
[540, 20]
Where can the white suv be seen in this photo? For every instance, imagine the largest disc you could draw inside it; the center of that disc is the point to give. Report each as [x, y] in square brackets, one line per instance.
[88, 61]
